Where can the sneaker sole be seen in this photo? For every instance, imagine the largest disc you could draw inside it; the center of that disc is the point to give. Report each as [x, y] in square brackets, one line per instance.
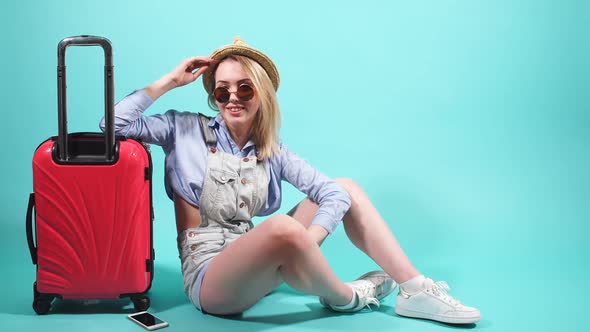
[438, 318]
[384, 295]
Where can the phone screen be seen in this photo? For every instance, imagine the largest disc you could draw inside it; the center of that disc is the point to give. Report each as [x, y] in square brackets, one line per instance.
[147, 319]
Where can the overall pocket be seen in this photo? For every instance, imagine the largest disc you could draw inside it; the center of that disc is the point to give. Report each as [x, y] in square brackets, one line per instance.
[224, 186]
[220, 192]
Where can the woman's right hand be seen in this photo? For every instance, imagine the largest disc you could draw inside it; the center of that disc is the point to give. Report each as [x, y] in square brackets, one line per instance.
[186, 72]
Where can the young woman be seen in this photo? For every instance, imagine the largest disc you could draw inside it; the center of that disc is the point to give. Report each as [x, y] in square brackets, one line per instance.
[224, 170]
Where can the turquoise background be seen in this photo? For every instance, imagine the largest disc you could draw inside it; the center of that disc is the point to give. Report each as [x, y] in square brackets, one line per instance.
[467, 123]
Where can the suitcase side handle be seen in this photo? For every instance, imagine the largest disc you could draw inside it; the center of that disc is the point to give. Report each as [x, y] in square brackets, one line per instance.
[62, 138]
[29, 226]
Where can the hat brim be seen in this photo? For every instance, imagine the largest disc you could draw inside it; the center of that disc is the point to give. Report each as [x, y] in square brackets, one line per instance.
[254, 54]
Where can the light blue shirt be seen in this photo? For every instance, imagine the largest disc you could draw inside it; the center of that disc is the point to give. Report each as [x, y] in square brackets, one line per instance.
[180, 136]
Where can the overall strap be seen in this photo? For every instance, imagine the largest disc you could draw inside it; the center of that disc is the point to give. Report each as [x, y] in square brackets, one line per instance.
[208, 133]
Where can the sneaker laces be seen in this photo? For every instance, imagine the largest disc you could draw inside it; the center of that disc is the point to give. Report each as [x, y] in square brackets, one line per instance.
[365, 291]
[440, 289]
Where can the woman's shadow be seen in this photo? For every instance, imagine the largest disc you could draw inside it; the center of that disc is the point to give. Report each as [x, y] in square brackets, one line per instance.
[317, 311]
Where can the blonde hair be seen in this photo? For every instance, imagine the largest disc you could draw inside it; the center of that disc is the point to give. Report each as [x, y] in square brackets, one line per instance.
[265, 130]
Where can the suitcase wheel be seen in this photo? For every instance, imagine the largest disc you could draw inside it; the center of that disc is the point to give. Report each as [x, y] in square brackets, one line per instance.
[41, 306]
[141, 303]
[41, 303]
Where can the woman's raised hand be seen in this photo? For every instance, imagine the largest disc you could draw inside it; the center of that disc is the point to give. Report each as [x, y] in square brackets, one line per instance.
[186, 72]
[189, 70]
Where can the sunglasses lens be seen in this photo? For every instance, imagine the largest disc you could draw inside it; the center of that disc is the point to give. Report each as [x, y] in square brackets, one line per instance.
[245, 92]
[221, 95]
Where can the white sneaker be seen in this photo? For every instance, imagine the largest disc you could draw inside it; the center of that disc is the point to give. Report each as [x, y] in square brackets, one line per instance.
[369, 288]
[433, 302]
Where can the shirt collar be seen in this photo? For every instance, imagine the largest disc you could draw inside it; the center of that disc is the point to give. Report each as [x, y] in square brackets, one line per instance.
[218, 119]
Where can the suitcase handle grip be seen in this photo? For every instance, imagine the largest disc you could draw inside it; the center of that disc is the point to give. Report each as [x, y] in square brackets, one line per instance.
[62, 138]
[29, 226]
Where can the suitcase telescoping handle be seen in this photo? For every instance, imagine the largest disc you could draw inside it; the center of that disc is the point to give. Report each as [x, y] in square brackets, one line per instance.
[62, 138]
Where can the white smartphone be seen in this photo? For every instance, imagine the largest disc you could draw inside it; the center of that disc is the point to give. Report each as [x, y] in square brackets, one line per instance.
[147, 320]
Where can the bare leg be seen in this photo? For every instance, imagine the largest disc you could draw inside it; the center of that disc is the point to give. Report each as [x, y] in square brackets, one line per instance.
[277, 249]
[367, 230]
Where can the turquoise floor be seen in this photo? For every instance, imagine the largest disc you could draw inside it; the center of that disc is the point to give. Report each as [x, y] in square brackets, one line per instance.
[512, 296]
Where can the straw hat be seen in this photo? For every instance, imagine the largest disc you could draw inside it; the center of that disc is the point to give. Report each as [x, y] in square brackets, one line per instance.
[239, 47]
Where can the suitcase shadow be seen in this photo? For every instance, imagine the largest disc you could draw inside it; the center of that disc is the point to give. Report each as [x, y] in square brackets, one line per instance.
[122, 306]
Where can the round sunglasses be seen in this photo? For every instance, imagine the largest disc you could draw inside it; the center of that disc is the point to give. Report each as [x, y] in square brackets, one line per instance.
[244, 92]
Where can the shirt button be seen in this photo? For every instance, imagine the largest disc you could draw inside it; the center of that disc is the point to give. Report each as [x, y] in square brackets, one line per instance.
[242, 204]
[244, 181]
[191, 234]
[213, 149]
[246, 159]
[194, 247]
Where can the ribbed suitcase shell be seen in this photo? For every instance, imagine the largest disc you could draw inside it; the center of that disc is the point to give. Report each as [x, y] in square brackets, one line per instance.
[93, 224]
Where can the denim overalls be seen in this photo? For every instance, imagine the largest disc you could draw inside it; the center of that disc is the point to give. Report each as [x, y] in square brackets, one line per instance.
[234, 190]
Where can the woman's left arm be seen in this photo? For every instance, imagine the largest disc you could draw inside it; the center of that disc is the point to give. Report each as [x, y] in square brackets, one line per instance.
[332, 198]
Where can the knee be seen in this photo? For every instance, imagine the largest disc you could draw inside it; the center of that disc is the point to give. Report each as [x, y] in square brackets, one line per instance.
[287, 233]
[351, 187]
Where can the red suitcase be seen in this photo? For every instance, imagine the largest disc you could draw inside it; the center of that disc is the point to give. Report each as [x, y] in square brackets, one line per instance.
[91, 207]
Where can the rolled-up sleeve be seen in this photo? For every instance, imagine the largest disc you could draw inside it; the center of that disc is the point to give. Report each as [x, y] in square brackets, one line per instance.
[333, 199]
[130, 121]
